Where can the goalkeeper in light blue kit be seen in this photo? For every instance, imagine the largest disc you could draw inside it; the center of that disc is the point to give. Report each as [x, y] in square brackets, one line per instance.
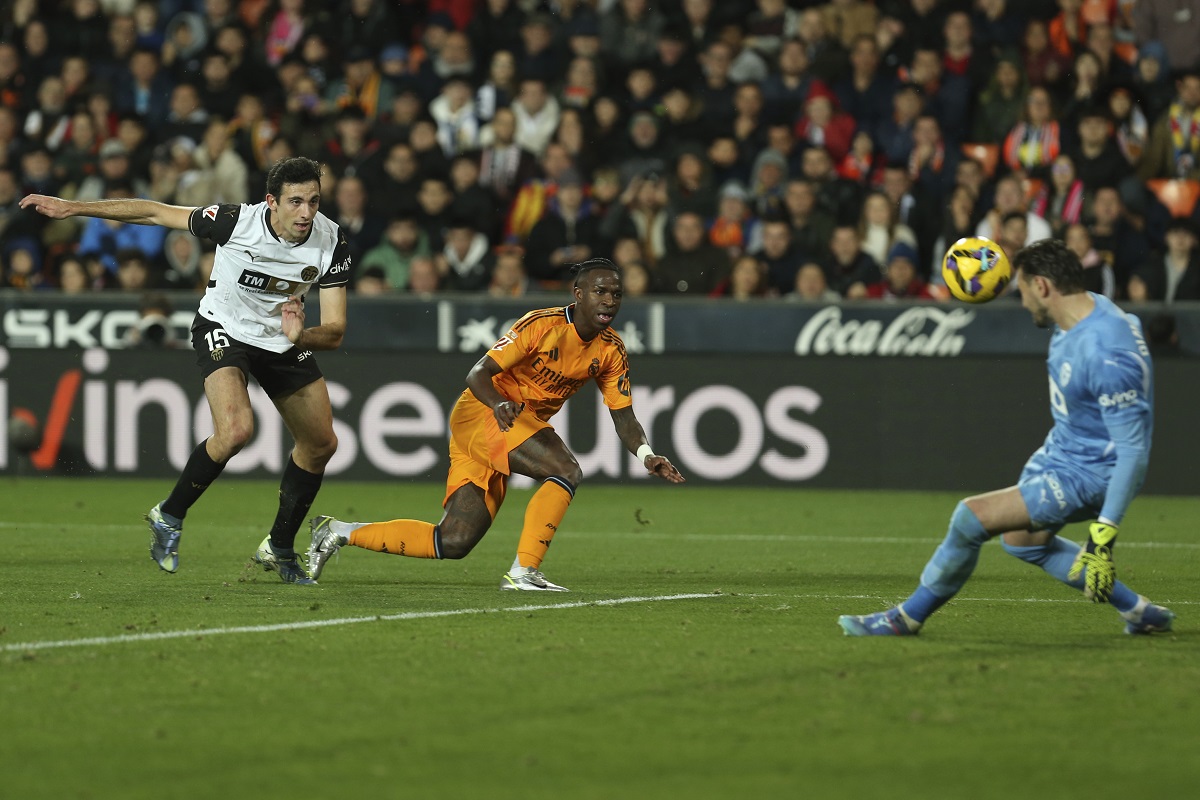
[1092, 462]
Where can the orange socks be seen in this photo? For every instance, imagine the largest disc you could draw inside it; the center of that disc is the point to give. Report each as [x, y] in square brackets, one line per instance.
[542, 518]
[401, 537]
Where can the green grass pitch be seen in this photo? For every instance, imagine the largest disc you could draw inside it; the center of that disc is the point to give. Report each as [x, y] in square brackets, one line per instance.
[428, 682]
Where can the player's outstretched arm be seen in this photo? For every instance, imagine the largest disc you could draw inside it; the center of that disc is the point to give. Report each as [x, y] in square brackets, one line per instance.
[634, 439]
[136, 211]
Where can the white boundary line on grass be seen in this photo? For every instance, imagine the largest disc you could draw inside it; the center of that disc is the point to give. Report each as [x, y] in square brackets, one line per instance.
[801, 538]
[20, 647]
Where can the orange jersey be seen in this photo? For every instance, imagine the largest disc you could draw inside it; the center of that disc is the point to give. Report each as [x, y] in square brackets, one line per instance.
[545, 362]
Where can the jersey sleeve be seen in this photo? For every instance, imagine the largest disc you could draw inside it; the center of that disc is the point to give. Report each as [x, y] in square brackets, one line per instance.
[521, 340]
[215, 223]
[1121, 381]
[338, 273]
[613, 378]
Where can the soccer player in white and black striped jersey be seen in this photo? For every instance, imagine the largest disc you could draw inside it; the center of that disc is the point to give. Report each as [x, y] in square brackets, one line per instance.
[251, 322]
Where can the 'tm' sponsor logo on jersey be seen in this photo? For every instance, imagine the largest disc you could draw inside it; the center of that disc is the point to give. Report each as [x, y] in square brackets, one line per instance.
[266, 284]
[1119, 399]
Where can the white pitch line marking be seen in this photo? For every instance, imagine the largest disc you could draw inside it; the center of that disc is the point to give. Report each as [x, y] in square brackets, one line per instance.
[18, 647]
[699, 537]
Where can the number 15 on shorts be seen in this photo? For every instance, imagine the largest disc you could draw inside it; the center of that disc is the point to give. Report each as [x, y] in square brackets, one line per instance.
[216, 340]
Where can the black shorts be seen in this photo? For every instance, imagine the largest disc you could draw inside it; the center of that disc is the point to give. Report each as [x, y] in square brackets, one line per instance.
[279, 374]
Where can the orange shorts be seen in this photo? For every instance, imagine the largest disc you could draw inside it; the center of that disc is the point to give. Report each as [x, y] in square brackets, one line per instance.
[479, 449]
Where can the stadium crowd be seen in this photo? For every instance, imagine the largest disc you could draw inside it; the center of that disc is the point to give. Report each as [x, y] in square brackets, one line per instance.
[741, 148]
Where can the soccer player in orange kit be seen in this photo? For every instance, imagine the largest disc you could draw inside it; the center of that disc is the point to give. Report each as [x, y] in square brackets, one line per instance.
[500, 425]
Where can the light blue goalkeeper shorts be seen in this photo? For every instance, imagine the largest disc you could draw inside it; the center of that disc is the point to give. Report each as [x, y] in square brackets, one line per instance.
[1056, 492]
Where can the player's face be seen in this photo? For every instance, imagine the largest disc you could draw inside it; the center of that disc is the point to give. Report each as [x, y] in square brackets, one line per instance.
[293, 211]
[1031, 298]
[597, 301]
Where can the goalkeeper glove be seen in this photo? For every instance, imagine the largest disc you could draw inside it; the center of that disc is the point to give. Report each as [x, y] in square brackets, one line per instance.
[1097, 558]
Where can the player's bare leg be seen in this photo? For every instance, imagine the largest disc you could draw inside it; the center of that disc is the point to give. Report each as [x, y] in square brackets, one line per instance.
[233, 425]
[543, 457]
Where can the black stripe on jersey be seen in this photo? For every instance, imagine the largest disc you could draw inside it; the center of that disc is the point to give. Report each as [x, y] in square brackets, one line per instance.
[533, 316]
[615, 341]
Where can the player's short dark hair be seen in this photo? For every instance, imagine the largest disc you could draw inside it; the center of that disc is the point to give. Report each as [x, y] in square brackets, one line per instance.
[1054, 261]
[591, 265]
[292, 170]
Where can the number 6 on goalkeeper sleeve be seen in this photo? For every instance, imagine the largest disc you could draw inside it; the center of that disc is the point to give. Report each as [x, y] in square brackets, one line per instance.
[1097, 559]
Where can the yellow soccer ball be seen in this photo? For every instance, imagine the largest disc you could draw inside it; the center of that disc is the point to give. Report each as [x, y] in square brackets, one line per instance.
[976, 269]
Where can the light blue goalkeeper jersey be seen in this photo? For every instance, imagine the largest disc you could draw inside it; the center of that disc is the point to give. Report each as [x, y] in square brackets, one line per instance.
[1102, 401]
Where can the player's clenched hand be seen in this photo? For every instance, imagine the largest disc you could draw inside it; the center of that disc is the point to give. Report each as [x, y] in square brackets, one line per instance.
[660, 466]
[507, 413]
[1097, 559]
[293, 319]
[53, 207]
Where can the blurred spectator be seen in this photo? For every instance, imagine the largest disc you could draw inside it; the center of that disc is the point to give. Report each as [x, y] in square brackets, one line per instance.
[690, 186]
[144, 89]
[454, 112]
[371, 282]
[433, 210]
[1132, 128]
[848, 269]
[866, 92]
[218, 93]
[1013, 232]
[566, 235]
[629, 32]
[1120, 245]
[107, 239]
[636, 279]
[14, 77]
[465, 263]
[581, 85]
[1086, 88]
[362, 85]
[1097, 275]
[472, 199]
[788, 86]
[1010, 197]
[811, 226]
[768, 179]
[47, 124]
[72, 277]
[572, 135]
[364, 23]
[1175, 274]
[452, 57]
[901, 278]
[182, 252]
[698, 22]
[186, 38]
[825, 125]
[826, 56]
[423, 277]
[746, 281]
[1035, 141]
[996, 26]
[1001, 104]
[495, 28]
[895, 133]
[749, 123]
[537, 114]
[1097, 158]
[691, 265]
[960, 57]
[811, 287]
[1174, 148]
[505, 166]
[508, 275]
[361, 226]
[1174, 25]
[1060, 200]
[1152, 80]
[500, 87]
[879, 231]
[537, 55]
[958, 223]
[133, 271]
[851, 18]
[21, 259]
[770, 25]
[735, 228]
[186, 117]
[641, 89]
[403, 242]
[220, 175]
[673, 64]
[715, 89]
[645, 153]
[283, 29]
[113, 165]
[933, 163]
[1044, 64]
[839, 197]
[779, 256]
[641, 213]
[1102, 42]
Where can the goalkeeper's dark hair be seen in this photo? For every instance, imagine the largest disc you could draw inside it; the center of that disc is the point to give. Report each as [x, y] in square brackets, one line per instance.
[292, 170]
[591, 265]
[1054, 261]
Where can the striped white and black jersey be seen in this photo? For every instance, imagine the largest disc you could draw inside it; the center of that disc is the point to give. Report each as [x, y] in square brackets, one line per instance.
[255, 271]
